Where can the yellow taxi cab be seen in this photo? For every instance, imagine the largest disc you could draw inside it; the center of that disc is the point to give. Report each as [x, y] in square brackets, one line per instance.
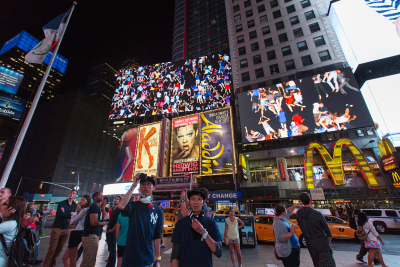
[168, 227]
[265, 232]
[169, 215]
[340, 229]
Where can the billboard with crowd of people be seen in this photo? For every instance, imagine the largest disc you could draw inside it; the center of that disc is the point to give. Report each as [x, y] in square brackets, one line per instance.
[323, 103]
[194, 85]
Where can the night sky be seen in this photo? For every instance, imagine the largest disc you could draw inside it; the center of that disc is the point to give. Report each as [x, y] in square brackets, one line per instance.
[117, 29]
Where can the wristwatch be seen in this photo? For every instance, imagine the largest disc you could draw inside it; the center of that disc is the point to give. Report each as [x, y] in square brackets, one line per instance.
[204, 236]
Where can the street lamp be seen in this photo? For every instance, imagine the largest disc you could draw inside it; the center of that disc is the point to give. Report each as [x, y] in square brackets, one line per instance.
[234, 178]
[76, 187]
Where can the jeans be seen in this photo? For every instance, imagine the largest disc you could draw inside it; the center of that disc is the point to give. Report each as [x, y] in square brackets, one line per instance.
[36, 253]
[41, 227]
[112, 248]
[293, 260]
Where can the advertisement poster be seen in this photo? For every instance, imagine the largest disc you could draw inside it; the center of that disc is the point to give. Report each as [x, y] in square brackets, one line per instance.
[326, 102]
[192, 85]
[147, 149]
[10, 80]
[127, 155]
[3, 144]
[11, 107]
[216, 142]
[185, 145]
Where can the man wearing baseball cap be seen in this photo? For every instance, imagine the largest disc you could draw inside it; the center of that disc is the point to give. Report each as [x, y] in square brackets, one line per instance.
[145, 225]
[196, 237]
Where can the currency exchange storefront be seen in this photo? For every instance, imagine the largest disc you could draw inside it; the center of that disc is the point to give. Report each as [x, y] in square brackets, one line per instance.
[223, 200]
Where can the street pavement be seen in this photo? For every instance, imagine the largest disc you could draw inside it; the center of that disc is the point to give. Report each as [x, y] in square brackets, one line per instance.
[344, 252]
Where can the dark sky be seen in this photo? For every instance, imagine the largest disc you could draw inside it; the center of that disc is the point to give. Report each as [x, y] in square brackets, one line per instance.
[117, 29]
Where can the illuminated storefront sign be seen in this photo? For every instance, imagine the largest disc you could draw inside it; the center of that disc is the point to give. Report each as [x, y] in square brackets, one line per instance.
[335, 164]
[387, 150]
[395, 176]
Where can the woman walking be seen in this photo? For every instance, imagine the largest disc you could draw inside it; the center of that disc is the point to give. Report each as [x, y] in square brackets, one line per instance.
[232, 234]
[287, 245]
[372, 243]
[75, 237]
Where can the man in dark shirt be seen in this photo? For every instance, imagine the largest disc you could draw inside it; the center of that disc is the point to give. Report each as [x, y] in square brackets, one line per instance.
[196, 236]
[316, 232]
[93, 227]
[145, 226]
[111, 233]
[60, 229]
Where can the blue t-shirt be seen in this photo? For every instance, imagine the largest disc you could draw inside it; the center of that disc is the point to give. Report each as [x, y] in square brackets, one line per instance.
[88, 228]
[194, 253]
[143, 222]
[293, 240]
[282, 116]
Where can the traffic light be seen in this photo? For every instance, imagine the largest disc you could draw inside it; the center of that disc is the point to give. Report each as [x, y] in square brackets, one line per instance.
[41, 185]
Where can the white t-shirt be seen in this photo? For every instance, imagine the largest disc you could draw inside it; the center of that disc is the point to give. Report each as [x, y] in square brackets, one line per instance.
[9, 231]
[373, 234]
[315, 108]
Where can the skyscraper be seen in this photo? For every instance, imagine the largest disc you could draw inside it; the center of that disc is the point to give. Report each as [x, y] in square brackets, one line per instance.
[200, 28]
[101, 80]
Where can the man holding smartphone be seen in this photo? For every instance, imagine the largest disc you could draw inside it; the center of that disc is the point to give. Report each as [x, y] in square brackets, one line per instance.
[145, 225]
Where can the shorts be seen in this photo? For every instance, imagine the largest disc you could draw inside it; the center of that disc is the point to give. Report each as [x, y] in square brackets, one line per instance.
[235, 241]
[75, 238]
[120, 251]
[372, 244]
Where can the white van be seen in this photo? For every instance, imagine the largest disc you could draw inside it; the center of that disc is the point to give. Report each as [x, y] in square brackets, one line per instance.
[383, 219]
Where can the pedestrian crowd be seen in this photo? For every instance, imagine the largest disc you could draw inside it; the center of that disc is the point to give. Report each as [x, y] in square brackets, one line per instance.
[134, 227]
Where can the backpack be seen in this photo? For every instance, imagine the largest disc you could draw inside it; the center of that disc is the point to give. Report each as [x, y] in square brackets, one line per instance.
[362, 235]
[352, 223]
[23, 248]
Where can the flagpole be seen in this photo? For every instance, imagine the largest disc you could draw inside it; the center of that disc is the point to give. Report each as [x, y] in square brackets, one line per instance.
[28, 118]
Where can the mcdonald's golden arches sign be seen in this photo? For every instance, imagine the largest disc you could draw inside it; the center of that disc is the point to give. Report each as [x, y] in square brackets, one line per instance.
[395, 176]
[386, 150]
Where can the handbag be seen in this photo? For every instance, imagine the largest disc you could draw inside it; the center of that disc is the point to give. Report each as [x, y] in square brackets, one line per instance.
[226, 241]
[362, 235]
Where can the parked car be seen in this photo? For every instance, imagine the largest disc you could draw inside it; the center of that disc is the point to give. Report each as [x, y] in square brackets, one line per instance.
[383, 219]
[168, 227]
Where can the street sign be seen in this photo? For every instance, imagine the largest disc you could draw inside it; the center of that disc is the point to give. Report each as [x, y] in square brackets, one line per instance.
[317, 194]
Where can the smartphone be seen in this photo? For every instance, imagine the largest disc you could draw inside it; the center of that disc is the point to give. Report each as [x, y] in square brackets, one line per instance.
[142, 176]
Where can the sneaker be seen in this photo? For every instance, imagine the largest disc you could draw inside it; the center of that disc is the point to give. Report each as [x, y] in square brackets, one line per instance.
[376, 262]
[162, 246]
[360, 259]
[43, 234]
[37, 262]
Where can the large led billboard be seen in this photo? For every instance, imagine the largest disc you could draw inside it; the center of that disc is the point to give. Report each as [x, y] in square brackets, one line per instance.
[3, 144]
[193, 85]
[323, 103]
[367, 30]
[11, 106]
[10, 80]
[381, 96]
[203, 143]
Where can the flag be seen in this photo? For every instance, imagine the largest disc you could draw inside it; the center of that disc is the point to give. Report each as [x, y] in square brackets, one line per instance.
[52, 32]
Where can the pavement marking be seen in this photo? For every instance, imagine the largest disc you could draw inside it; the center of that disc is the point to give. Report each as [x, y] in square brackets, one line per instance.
[169, 251]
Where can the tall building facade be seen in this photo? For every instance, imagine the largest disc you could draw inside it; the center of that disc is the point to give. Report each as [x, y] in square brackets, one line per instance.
[129, 64]
[101, 81]
[273, 41]
[200, 28]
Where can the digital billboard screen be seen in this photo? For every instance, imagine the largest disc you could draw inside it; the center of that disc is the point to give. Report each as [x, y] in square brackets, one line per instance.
[127, 155]
[193, 85]
[323, 103]
[203, 143]
[11, 106]
[10, 80]
[3, 144]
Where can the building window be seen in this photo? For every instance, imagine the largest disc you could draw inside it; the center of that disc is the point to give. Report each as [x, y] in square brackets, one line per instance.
[294, 20]
[238, 17]
[279, 25]
[239, 28]
[290, 65]
[250, 23]
[305, 3]
[302, 46]
[258, 1]
[306, 60]
[245, 76]
[309, 15]
[254, 47]
[234, 1]
[276, 14]
[274, 3]
[290, 9]
[249, 13]
[324, 55]
[298, 33]
[243, 63]
[268, 42]
[286, 50]
[259, 73]
[274, 69]
[314, 27]
[253, 34]
[236, 8]
[271, 55]
[240, 39]
[261, 8]
[242, 50]
[257, 59]
[247, 3]
[319, 41]
[266, 30]
[282, 37]
[263, 19]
